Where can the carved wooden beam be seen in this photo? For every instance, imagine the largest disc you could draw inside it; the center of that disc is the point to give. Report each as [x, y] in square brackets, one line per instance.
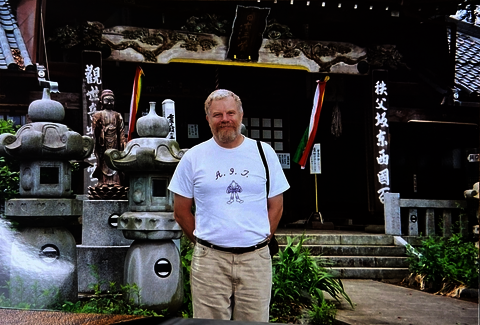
[165, 46]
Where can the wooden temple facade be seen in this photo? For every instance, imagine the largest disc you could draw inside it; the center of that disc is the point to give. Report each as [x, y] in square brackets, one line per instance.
[393, 119]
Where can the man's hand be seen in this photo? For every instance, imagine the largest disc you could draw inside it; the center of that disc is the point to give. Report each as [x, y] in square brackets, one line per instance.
[182, 211]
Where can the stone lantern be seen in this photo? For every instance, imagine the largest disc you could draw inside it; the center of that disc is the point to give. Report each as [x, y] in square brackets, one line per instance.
[153, 260]
[43, 266]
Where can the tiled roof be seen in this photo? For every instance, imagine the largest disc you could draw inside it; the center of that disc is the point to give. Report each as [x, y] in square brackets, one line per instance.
[467, 63]
[13, 52]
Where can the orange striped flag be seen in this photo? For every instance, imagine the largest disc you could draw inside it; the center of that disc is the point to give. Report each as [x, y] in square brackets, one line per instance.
[137, 88]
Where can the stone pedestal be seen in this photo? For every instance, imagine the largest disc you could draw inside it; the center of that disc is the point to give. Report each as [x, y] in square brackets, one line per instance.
[101, 256]
[100, 221]
[43, 267]
[155, 267]
[6, 240]
[100, 265]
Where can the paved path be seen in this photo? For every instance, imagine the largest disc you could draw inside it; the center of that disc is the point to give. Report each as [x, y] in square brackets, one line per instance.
[383, 303]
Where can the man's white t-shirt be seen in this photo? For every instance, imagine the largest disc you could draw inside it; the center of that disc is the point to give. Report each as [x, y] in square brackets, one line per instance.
[229, 189]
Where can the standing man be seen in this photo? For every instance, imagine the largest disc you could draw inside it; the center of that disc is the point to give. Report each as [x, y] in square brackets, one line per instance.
[231, 272]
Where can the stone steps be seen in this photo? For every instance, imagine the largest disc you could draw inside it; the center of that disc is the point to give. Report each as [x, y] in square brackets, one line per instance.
[355, 250]
[378, 273]
[355, 256]
[365, 261]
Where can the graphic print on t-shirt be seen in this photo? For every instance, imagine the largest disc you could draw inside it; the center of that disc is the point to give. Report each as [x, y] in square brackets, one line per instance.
[233, 189]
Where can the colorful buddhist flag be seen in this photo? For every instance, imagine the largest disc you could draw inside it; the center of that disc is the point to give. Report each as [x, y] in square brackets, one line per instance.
[306, 143]
[137, 88]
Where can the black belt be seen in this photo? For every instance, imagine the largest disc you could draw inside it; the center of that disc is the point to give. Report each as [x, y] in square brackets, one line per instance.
[234, 250]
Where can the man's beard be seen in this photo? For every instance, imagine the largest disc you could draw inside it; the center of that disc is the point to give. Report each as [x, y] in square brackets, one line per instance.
[227, 135]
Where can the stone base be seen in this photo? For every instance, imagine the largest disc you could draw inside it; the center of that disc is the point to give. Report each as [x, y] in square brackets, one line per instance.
[100, 265]
[155, 266]
[99, 223]
[43, 271]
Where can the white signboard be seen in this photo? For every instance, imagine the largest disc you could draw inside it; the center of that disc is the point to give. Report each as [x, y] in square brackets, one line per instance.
[315, 160]
[284, 160]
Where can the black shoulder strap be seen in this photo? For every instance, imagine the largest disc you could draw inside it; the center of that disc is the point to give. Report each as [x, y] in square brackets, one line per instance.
[264, 160]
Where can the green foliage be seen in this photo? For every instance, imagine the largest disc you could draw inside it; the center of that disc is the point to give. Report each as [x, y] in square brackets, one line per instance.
[9, 169]
[446, 260]
[32, 297]
[299, 280]
[114, 302]
[8, 126]
[186, 252]
[118, 300]
[323, 314]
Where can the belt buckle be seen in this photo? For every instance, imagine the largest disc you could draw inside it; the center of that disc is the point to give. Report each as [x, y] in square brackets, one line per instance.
[237, 250]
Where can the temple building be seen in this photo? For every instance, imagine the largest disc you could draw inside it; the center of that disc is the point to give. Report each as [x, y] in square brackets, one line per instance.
[400, 112]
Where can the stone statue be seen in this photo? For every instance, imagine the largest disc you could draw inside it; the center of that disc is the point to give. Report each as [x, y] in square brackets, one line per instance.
[108, 129]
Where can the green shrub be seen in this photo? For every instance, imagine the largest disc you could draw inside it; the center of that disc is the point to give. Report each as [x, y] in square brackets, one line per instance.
[446, 260]
[9, 169]
[299, 282]
[114, 302]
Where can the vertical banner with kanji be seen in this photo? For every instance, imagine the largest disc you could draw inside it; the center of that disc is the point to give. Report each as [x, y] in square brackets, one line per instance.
[381, 145]
[168, 111]
[91, 89]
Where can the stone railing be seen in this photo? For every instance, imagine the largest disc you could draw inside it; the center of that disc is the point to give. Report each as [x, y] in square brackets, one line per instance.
[430, 209]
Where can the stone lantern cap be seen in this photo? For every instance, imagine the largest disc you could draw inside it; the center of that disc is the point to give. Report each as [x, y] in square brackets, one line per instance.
[45, 139]
[151, 152]
[145, 154]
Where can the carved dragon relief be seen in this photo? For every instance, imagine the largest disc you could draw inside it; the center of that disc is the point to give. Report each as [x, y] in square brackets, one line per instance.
[316, 51]
[164, 40]
[386, 56]
[324, 54]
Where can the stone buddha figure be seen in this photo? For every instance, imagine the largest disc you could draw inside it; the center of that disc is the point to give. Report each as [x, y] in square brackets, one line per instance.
[109, 133]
